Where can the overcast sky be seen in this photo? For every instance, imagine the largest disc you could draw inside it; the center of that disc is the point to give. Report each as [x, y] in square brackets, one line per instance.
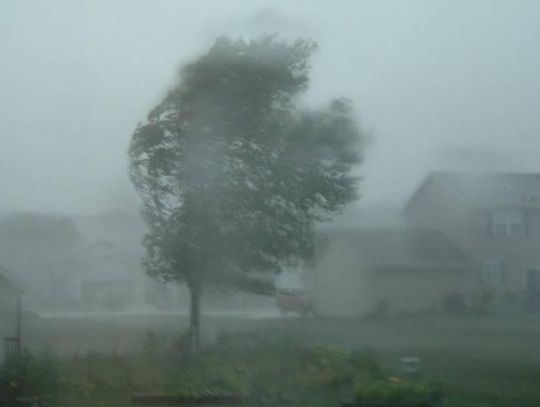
[438, 85]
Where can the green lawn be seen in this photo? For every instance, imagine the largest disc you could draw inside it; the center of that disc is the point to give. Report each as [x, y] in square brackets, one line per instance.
[490, 359]
[480, 361]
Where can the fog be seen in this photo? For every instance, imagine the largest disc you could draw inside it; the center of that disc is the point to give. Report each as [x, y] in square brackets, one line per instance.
[114, 222]
[438, 85]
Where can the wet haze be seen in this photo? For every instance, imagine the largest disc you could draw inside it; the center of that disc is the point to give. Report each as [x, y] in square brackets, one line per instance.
[438, 85]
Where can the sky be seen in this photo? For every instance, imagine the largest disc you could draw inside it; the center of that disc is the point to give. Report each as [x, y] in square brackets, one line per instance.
[437, 85]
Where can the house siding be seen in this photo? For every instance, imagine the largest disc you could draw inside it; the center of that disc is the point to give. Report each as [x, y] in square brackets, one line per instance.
[418, 290]
[344, 286]
[339, 283]
[438, 208]
[518, 253]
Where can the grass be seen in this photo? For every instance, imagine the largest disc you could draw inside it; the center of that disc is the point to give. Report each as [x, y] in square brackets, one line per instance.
[479, 361]
[490, 361]
[260, 368]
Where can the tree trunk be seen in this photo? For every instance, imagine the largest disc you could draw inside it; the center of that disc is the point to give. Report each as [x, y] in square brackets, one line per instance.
[195, 316]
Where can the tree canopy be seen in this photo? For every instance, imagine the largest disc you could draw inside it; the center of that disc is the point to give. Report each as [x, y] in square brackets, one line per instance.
[233, 173]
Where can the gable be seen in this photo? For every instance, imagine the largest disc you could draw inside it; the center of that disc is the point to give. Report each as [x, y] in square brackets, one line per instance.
[433, 191]
[480, 190]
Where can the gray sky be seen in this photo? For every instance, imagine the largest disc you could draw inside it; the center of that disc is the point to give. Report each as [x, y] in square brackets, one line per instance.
[438, 84]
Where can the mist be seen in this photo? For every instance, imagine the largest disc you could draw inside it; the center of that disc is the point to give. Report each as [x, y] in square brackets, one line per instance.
[352, 207]
[427, 79]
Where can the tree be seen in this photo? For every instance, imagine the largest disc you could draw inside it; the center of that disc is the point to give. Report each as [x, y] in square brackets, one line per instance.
[233, 174]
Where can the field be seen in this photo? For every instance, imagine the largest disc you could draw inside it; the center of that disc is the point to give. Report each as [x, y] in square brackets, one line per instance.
[490, 358]
[479, 361]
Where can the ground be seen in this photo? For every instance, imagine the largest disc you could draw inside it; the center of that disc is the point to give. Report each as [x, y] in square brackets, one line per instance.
[491, 360]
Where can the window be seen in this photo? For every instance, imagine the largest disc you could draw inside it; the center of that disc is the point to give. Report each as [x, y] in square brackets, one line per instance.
[508, 223]
[493, 275]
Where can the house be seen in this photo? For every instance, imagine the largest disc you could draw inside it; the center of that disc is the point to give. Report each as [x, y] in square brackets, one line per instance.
[104, 272]
[90, 262]
[360, 272]
[493, 216]
[10, 316]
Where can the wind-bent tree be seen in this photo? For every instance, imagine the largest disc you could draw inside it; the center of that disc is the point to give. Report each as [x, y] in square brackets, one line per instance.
[233, 175]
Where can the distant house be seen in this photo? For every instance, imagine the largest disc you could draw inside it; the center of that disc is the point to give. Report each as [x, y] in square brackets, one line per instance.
[361, 272]
[493, 216]
[10, 314]
[105, 275]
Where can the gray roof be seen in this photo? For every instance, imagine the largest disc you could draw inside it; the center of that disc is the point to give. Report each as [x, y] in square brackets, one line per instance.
[405, 249]
[487, 189]
[366, 217]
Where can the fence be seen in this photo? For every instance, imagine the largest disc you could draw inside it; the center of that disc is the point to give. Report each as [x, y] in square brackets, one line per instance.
[12, 344]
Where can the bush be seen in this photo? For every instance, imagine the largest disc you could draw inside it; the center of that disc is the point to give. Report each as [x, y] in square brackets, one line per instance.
[261, 366]
[207, 376]
[150, 343]
[26, 380]
[395, 394]
[182, 342]
[269, 367]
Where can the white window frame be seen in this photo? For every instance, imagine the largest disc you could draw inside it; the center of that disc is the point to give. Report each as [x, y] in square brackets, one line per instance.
[493, 274]
[508, 223]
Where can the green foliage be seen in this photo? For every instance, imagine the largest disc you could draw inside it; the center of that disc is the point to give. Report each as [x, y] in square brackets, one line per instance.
[27, 379]
[106, 380]
[151, 343]
[258, 366]
[272, 368]
[209, 375]
[395, 394]
[182, 342]
[484, 361]
[461, 402]
[232, 173]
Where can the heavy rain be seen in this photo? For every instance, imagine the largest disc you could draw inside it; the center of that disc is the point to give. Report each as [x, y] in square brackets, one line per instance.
[331, 203]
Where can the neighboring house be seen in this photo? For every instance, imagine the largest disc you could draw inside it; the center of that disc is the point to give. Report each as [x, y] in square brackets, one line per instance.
[361, 272]
[10, 314]
[366, 217]
[100, 270]
[493, 216]
[105, 271]
[107, 275]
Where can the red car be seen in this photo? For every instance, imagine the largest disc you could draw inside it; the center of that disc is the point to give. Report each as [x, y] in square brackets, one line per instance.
[295, 301]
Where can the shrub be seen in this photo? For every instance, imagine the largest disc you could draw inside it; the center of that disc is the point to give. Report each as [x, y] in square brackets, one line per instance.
[209, 376]
[395, 394]
[25, 379]
[150, 343]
